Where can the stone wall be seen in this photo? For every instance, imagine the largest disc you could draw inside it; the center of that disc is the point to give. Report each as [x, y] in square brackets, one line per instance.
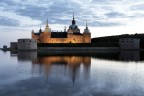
[129, 43]
[27, 44]
[13, 45]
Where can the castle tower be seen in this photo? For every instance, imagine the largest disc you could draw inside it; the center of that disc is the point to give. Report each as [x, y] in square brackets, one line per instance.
[32, 34]
[45, 36]
[86, 35]
[73, 28]
[65, 29]
[73, 21]
[40, 30]
[47, 29]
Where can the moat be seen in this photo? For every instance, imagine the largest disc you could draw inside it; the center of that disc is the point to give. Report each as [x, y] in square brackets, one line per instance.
[100, 74]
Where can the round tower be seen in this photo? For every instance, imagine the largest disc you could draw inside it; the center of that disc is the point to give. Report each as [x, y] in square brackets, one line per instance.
[27, 44]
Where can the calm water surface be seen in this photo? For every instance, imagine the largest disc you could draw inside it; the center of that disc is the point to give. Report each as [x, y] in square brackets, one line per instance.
[30, 74]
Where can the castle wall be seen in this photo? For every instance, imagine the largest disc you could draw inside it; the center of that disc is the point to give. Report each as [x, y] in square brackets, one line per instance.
[75, 38]
[13, 45]
[58, 40]
[46, 38]
[27, 44]
[35, 37]
[129, 43]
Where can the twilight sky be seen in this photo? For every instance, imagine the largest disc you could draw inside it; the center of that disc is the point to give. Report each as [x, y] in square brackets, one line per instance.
[105, 17]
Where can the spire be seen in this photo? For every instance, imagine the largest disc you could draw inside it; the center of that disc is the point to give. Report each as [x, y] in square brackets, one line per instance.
[86, 25]
[47, 23]
[73, 16]
[73, 21]
[65, 29]
[40, 29]
[32, 31]
[47, 29]
[86, 30]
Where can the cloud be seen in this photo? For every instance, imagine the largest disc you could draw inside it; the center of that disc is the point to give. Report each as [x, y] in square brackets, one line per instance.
[32, 11]
[138, 7]
[105, 24]
[4, 21]
[8, 2]
[114, 15]
[61, 12]
[105, 1]
[30, 14]
[57, 12]
[23, 20]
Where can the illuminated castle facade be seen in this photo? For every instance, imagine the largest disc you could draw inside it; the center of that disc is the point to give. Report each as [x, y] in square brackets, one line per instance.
[72, 35]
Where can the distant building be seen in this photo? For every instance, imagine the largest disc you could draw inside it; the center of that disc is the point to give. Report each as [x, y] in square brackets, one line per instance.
[72, 35]
[27, 44]
[129, 43]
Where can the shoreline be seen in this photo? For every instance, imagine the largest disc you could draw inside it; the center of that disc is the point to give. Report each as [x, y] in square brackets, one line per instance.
[74, 49]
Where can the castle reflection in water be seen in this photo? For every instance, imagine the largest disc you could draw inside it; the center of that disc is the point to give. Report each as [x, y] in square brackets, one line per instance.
[38, 58]
[72, 65]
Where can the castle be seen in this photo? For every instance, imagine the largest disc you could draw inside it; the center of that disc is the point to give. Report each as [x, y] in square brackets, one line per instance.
[72, 35]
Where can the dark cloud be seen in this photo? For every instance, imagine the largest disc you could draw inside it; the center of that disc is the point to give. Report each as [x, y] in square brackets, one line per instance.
[10, 5]
[4, 21]
[114, 15]
[8, 2]
[137, 7]
[105, 24]
[34, 12]
[60, 12]
[54, 13]
[105, 1]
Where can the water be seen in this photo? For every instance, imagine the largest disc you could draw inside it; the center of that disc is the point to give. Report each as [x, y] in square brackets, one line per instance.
[101, 74]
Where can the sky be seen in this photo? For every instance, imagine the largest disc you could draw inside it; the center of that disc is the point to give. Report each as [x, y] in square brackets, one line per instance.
[104, 17]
